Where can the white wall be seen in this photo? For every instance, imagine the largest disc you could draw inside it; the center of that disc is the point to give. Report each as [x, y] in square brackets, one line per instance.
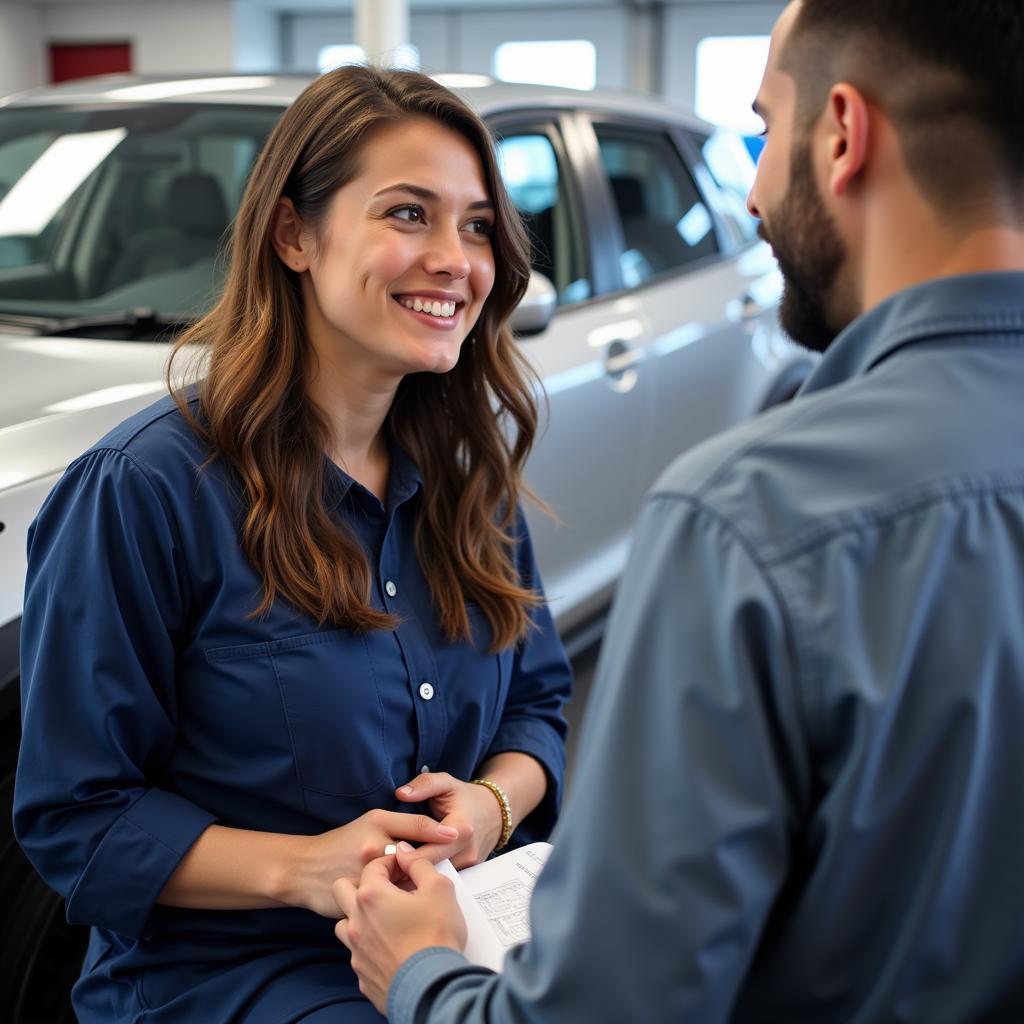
[186, 35]
[22, 55]
[305, 34]
[257, 35]
[466, 40]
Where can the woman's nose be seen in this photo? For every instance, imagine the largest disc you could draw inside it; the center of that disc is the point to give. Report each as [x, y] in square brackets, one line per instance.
[447, 254]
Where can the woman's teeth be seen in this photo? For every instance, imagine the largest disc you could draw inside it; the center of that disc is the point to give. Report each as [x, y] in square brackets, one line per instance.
[432, 307]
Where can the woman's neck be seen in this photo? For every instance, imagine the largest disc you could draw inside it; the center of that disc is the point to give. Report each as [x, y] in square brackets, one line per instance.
[355, 420]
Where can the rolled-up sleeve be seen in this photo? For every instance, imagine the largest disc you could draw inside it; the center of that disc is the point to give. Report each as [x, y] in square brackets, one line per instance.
[532, 721]
[105, 599]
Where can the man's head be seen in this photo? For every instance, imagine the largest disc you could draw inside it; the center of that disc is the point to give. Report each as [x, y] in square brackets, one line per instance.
[878, 105]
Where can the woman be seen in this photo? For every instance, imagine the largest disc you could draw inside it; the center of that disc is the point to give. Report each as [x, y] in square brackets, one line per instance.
[290, 616]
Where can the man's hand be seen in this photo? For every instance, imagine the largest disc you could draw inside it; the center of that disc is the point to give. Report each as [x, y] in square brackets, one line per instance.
[384, 924]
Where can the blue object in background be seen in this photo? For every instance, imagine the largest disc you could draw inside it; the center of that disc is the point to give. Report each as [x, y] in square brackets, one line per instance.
[754, 144]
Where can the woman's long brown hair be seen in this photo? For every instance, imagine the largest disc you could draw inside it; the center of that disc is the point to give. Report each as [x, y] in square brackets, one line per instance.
[469, 430]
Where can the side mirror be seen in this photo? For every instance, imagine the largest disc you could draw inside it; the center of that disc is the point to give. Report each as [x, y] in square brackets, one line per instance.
[536, 308]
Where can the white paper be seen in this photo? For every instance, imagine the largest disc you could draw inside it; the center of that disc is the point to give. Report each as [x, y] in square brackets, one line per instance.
[494, 898]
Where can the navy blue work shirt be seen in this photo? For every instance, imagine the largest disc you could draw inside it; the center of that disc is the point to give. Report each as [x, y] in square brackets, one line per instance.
[154, 704]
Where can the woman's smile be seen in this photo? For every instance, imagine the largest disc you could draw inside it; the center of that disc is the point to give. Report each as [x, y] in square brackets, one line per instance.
[441, 312]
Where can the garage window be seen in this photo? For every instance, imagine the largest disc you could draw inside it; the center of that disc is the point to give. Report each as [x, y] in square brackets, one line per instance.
[729, 73]
[568, 62]
[337, 55]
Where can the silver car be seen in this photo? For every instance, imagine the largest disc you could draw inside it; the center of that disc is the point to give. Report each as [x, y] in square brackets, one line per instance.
[650, 318]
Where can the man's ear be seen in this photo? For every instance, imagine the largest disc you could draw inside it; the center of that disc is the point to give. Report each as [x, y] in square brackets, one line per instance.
[287, 235]
[848, 129]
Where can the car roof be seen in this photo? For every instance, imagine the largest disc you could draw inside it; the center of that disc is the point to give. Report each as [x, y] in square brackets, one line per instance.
[487, 95]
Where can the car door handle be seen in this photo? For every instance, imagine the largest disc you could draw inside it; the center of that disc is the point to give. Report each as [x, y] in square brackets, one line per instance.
[620, 362]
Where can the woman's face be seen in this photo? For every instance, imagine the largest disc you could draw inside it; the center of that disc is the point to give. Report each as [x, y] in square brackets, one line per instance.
[403, 261]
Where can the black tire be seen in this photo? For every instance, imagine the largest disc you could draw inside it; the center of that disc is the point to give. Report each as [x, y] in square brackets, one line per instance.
[40, 953]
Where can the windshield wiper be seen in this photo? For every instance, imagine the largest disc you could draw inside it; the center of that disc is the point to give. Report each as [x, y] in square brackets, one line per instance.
[129, 323]
[23, 323]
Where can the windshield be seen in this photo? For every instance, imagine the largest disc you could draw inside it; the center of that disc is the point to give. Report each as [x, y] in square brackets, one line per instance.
[115, 210]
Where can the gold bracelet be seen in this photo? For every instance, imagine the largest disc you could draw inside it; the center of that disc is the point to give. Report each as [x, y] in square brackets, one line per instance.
[506, 811]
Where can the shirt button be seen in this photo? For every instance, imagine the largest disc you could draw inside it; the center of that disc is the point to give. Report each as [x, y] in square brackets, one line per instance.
[424, 769]
[426, 691]
[390, 589]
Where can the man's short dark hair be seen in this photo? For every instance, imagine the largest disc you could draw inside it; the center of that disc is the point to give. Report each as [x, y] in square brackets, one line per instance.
[949, 74]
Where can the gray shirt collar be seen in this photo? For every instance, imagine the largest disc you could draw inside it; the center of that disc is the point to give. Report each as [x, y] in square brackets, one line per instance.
[990, 304]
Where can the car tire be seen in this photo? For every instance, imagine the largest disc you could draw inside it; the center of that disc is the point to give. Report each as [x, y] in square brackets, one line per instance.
[40, 953]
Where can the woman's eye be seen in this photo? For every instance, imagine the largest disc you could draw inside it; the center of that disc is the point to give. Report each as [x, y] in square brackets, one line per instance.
[410, 214]
[480, 226]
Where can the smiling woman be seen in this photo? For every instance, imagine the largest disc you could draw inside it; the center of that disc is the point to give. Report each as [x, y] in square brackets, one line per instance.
[304, 601]
[399, 270]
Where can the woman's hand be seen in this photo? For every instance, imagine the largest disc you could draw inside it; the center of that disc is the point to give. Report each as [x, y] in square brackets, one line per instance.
[344, 852]
[465, 806]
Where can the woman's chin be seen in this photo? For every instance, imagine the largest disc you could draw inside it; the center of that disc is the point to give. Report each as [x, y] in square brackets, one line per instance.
[440, 360]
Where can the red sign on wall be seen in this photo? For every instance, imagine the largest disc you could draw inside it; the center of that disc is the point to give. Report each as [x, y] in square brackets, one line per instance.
[81, 60]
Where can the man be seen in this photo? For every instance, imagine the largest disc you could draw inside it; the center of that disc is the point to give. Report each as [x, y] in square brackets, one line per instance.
[800, 796]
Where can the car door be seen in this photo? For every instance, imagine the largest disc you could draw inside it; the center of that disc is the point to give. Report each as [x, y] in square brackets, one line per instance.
[598, 420]
[695, 296]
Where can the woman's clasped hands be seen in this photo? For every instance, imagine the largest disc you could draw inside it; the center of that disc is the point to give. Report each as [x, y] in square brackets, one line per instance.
[344, 852]
[468, 808]
[463, 825]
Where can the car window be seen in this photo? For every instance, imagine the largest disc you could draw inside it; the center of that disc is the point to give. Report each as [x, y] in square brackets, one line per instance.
[17, 155]
[733, 170]
[536, 183]
[665, 222]
[118, 208]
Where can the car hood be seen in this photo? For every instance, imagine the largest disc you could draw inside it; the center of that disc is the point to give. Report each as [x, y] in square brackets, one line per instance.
[58, 396]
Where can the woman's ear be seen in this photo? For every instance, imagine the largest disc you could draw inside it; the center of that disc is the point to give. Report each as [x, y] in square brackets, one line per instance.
[287, 235]
[848, 126]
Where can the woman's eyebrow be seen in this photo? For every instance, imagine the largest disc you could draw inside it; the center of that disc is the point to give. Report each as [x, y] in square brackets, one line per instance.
[425, 193]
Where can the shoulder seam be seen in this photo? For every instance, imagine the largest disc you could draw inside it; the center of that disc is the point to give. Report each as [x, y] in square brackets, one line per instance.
[171, 520]
[856, 520]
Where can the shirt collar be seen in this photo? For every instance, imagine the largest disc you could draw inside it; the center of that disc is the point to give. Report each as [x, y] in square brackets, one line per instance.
[404, 478]
[970, 304]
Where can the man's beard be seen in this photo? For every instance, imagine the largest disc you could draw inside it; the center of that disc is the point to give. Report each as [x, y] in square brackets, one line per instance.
[810, 252]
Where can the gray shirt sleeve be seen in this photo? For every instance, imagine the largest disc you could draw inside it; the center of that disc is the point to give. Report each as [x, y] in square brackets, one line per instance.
[677, 834]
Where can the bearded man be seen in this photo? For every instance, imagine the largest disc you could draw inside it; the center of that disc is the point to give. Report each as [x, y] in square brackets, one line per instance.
[800, 793]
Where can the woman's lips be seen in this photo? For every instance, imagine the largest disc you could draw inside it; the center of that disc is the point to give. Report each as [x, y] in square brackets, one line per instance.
[441, 323]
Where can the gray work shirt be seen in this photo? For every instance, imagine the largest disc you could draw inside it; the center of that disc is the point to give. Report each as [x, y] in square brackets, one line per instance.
[800, 793]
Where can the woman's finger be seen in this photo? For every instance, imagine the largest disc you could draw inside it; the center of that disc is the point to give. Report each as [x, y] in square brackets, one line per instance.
[437, 852]
[425, 787]
[417, 828]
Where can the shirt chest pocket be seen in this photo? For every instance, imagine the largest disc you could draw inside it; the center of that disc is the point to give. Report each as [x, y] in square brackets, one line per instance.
[332, 707]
